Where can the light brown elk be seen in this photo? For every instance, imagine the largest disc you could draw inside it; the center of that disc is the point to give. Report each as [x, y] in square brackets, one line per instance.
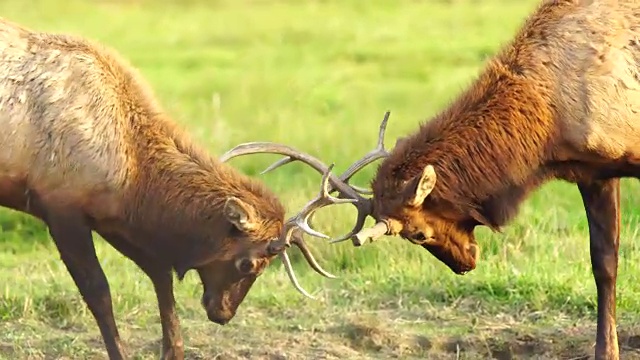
[560, 101]
[86, 147]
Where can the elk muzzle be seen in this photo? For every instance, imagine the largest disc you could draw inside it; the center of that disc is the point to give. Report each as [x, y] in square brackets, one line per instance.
[218, 308]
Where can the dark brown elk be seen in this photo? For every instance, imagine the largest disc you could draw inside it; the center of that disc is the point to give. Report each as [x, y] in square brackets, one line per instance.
[560, 101]
[85, 147]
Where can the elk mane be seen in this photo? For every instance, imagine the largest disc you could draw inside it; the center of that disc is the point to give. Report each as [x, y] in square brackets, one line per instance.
[507, 116]
[175, 170]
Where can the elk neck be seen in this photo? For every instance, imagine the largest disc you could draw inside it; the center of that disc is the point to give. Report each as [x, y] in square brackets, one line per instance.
[488, 147]
[181, 189]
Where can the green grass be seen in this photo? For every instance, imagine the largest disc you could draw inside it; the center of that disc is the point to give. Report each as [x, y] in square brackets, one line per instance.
[319, 75]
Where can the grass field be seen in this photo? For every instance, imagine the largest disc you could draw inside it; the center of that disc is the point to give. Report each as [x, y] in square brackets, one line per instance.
[319, 75]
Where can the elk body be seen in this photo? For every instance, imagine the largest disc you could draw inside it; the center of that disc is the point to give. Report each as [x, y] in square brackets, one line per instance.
[86, 147]
[560, 101]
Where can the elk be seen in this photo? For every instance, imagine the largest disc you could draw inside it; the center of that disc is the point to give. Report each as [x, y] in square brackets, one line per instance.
[560, 101]
[86, 147]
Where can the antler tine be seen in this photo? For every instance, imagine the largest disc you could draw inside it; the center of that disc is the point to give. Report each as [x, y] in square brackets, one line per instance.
[364, 209]
[288, 159]
[284, 161]
[383, 129]
[301, 220]
[375, 154]
[299, 242]
[291, 153]
[292, 276]
[361, 190]
[289, 228]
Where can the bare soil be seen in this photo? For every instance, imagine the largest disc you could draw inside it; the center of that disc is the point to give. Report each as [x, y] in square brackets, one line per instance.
[371, 335]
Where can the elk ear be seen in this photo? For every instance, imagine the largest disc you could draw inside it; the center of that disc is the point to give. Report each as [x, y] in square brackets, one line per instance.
[240, 214]
[424, 185]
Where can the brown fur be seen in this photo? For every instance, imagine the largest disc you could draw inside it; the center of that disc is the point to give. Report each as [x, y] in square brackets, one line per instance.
[87, 147]
[560, 101]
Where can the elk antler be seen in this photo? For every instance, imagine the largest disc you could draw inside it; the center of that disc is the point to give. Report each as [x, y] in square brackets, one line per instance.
[300, 222]
[330, 183]
[340, 184]
[373, 155]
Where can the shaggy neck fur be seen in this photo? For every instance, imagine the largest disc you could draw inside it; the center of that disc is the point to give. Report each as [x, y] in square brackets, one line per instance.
[185, 189]
[487, 147]
[491, 147]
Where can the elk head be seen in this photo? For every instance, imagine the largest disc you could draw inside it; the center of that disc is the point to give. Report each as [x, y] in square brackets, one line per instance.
[253, 240]
[291, 232]
[404, 208]
[255, 233]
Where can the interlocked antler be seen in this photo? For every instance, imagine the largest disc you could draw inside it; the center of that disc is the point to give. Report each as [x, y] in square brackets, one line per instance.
[378, 152]
[340, 184]
[373, 155]
[300, 222]
[330, 183]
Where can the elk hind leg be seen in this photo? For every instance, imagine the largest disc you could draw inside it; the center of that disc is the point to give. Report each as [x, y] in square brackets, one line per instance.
[74, 241]
[602, 205]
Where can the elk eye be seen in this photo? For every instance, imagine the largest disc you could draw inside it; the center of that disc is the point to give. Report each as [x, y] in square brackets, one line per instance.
[245, 266]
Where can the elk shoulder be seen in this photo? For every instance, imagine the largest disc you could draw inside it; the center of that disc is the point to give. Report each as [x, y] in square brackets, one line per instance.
[589, 54]
[69, 109]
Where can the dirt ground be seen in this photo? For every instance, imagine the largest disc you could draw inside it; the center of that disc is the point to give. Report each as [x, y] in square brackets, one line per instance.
[364, 336]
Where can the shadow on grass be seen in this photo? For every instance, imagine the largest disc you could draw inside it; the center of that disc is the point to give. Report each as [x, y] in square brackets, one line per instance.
[20, 233]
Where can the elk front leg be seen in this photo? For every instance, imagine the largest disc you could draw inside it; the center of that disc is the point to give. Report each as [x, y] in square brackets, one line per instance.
[602, 204]
[75, 243]
[172, 345]
[162, 279]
